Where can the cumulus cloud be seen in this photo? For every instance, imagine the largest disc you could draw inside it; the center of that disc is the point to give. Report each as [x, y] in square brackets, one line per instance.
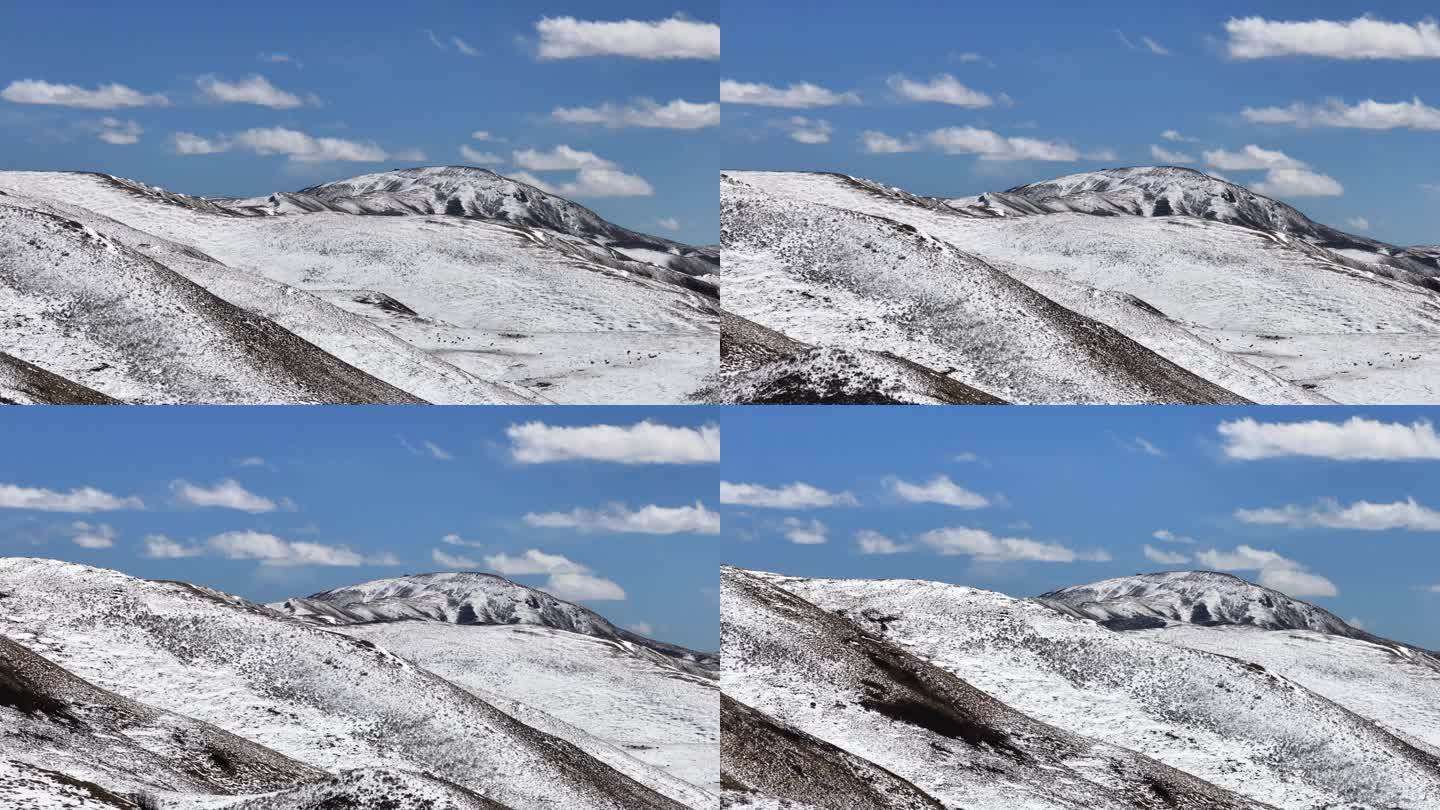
[1355, 439]
[1170, 537]
[91, 535]
[455, 561]
[939, 489]
[617, 517]
[188, 143]
[1163, 557]
[254, 89]
[873, 542]
[1367, 114]
[796, 495]
[1360, 38]
[453, 539]
[807, 130]
[675, 38]
[476, 156]
[1362, 515]
[271, 550]
[160, 547]
[296, 145]
[1164, 155]
[1175, 136]
[227, 494]
[941, 89]
[641, 443]
[804, 532]
[80, 499]
[982, 545]
[596, 176]
[104, 97]
[644, 112]
[879, 143]
[118, 132]
[795, 95]
[1278, 572]
[986, 144]
[567, 579]
[668, 223]
[1251, 157]
[1298, 183]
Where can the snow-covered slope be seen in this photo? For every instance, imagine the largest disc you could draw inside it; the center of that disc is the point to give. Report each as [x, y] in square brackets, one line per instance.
[451, 308]
[43, 789]
[761, 366]
[836, 277]
[367, 789]
[1223, 718]
[823, 674]
[316, 696]
[1263, 313]
[471, 598]
[23, 383]
[645, 708]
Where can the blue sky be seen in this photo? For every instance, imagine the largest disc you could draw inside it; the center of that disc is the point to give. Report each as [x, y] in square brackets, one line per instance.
[1103, 82]
[322, 497]
[1303, 499]
[400, 80]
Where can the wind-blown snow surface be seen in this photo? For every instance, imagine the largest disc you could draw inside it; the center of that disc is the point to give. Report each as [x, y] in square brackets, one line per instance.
[304, 692]
[826, 676]
[830, 276]
[475, 301]
[1246, 727]
[1239, 289]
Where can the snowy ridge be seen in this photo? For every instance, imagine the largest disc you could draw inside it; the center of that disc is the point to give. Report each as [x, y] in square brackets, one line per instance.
[308, 693]
[468, 597]
[830, 276]
[1246, 727]
[1265, 314]
[23, 383]
[823, 674]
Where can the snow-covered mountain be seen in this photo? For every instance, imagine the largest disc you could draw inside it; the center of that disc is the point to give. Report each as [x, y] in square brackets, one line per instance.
[132, 683]
[471, 288]
[1284, 718]
[1243, 292]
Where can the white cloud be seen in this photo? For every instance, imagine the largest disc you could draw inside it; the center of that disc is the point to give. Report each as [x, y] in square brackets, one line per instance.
[105, 97]
[675, 38]
[966, 457]
[971, 57]
[1278, 572]
[596, 176]
[872, 542]
[939, 489]
[605, 183]
[804, 532]
[982, 545]
[567, 579]
[650, 519]
[668, 223]
[80, 499]
[227, 494]
[643, 628]
[252, 461]
[120, 133]
[1360, 38]
[796, 495]
[941, 89]
[878, 143]
[91, 535]
[476, 156]
[1175, 136]
[302, 147]
[1139, 444]
[1171, 537]
[1249, 158]
[1154, 47]
[640, 443]
[1361, 515]
[644, 112]
[1298, 183]
[158, 546]
[456, 561]
[1355, 439]
[271, 550]
[1367, 114]
[253, 89]
[796, 95]
[464, 47]
[1160, 555]
[434, 40]
[1164, 155]
[188, 143]
[277, 58]
[1360, 224]
[453, 539]
[436, 451]
[485, 136]
[807, 130]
